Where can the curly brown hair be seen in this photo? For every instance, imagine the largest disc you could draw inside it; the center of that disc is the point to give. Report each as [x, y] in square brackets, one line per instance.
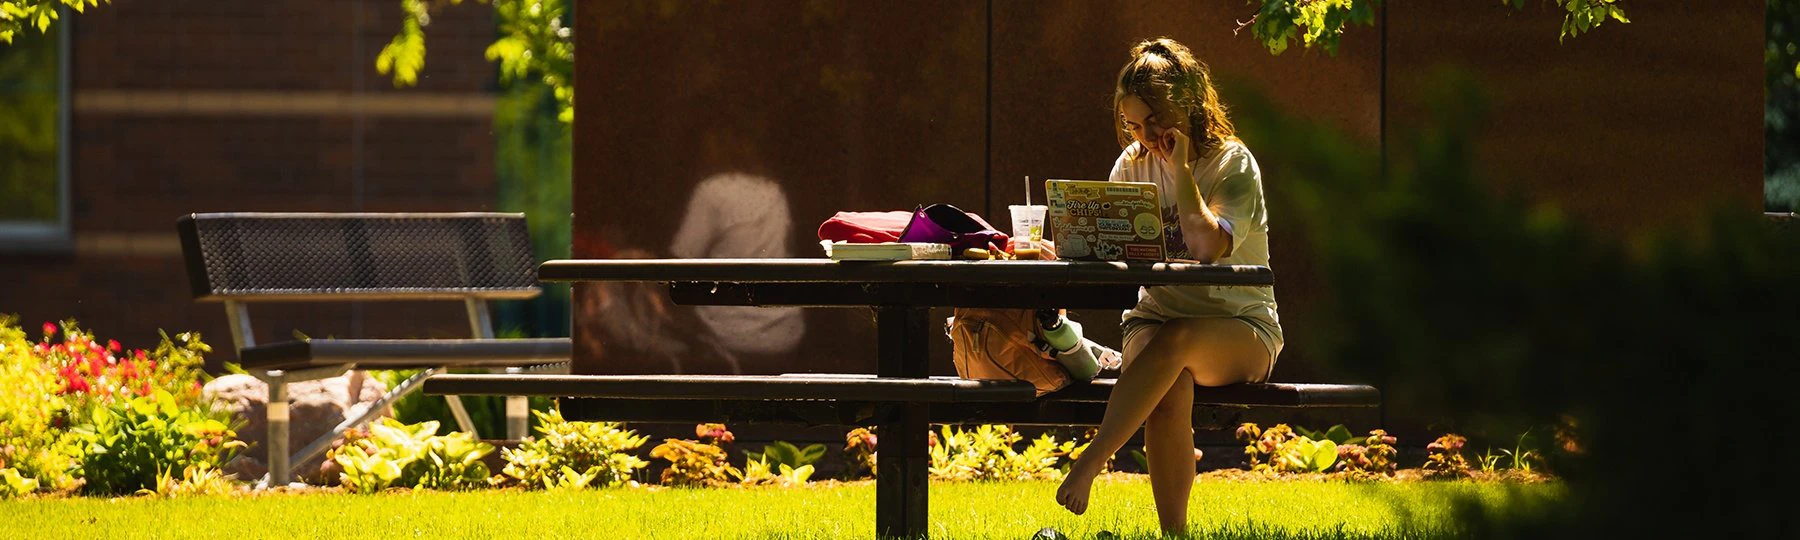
[1164, 74]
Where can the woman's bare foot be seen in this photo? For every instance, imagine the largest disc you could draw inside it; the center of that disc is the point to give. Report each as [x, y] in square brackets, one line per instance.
[1075, 488]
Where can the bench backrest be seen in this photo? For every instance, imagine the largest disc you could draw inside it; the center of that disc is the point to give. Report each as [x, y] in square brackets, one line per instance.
[360, 256]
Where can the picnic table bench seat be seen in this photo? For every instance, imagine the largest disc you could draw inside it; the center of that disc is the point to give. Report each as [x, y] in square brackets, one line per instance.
[734, 387]
[865, 387]
[854, 399]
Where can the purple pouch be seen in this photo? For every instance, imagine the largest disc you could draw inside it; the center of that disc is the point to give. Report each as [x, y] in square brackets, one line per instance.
[945, 224]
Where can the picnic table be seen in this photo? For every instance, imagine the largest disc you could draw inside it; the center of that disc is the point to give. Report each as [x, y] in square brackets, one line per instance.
[902, 294]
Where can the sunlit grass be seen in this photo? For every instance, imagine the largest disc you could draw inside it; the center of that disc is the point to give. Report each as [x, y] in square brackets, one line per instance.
[1122, 506]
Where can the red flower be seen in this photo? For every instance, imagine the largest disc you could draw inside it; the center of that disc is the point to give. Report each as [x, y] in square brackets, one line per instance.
[77, 384]
[144, 390]
[49, 330]
[113, 345]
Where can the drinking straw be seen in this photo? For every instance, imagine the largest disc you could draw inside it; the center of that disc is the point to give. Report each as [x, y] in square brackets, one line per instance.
[1027, 191]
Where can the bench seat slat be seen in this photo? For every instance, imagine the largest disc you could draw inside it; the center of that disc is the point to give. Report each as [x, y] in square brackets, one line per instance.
[733, 387]
[1261, 394]
[860, 387]
[865, 413]
[407, 353]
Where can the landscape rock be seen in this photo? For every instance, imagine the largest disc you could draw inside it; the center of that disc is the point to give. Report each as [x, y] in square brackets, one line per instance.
[314, 408]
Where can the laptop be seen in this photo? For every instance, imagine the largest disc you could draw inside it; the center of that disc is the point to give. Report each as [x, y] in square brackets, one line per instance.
[1093, 220]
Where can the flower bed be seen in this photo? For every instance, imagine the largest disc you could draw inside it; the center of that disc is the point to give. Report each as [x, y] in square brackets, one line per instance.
[81, 415]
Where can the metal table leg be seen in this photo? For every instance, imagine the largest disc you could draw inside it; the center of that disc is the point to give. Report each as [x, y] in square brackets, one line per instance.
[901, 481]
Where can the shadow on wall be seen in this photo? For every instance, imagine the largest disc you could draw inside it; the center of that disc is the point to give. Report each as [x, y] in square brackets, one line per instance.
[738, 213]
[741, 215]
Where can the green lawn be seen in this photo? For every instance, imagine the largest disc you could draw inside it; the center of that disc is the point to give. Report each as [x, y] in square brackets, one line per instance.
[1294, 509]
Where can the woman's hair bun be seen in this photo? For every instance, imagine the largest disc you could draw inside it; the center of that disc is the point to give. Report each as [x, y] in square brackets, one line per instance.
[1159, 46]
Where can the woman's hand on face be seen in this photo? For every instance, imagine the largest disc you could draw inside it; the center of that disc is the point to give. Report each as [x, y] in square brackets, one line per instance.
[1176, 150]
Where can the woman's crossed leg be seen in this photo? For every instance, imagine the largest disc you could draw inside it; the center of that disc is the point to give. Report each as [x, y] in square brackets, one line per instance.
[1156, 390]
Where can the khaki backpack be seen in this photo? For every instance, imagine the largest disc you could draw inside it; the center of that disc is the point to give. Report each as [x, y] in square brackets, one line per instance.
[1002, 344]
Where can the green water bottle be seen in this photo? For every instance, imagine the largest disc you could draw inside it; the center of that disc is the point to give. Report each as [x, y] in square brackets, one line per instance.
[1064, 338]
[1061, 333]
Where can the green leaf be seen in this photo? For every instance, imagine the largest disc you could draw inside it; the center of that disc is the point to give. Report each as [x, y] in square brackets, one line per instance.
[782, 452]
[404, 56]
[203, 427]
[167, 400]
[143, 407]
[811, 454]
[1337, 434]
[1324, 455]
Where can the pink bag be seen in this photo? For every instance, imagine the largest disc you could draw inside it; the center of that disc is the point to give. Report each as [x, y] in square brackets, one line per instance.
[865, 227]
[945, 224]
[938, 223]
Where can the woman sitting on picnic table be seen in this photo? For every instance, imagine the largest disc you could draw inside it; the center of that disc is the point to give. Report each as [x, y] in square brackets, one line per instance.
[1175, 134]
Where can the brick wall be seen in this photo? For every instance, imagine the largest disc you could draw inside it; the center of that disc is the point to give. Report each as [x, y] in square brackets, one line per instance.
[184, 106]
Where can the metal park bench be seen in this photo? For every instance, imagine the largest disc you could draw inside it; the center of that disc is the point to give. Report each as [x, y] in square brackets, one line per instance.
[239, 258]
[902, 400]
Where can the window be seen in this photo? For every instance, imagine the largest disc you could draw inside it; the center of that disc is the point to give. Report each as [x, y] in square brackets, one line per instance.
[34, 192]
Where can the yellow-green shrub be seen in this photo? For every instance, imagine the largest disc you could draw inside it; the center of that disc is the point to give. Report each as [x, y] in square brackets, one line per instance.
[573, 455]
[395, 454]
[986, 453]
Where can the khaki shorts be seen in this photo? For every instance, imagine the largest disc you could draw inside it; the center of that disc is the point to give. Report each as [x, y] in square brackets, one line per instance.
[1138, 332]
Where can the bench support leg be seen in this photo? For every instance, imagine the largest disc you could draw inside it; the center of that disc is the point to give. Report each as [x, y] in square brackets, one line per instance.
[901, 477]
[517, 419]
[359, 417]
[462, 415]
[518, 413]
[277, 415]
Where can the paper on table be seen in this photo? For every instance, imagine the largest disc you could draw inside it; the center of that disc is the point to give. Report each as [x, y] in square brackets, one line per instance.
[885, 251]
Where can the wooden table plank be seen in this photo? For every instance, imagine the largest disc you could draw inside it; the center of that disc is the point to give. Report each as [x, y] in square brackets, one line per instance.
[940, 272]
[1023, 296]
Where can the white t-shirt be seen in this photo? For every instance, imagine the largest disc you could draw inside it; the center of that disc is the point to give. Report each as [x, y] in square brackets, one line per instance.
[1231, 185]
